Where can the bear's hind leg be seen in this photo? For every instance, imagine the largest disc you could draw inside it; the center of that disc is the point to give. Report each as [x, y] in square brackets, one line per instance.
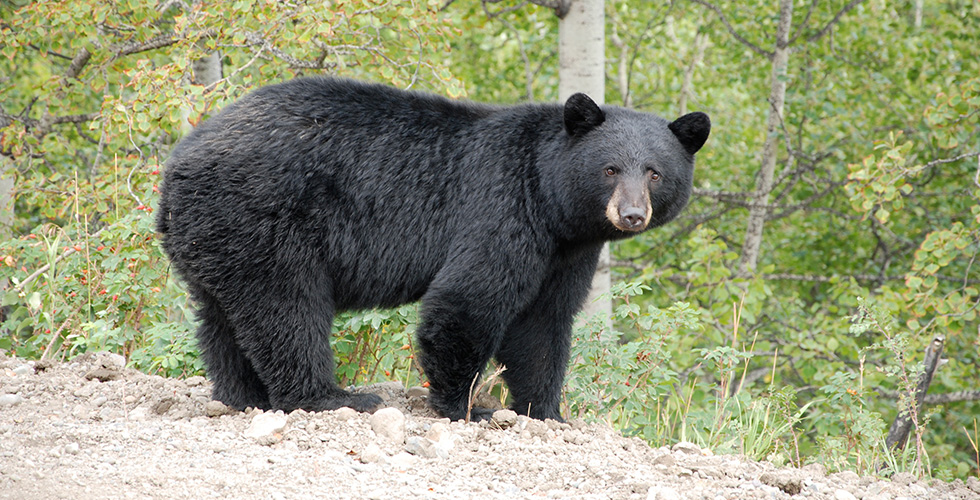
[288, 342]
[235, 382]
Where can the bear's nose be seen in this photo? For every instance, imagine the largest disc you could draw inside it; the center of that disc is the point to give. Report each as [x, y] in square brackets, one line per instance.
[633, 217]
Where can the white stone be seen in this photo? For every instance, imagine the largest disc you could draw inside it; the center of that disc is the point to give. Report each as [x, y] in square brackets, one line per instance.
[504, 419]
[403, 461]
[345, 413]
[371, 454]
[844, 495]
[686, 448]
[266, 428]
[662, 493]
[389, 424]
[10, 399]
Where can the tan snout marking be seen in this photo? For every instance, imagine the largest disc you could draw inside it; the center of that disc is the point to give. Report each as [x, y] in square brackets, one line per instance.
[613, 210]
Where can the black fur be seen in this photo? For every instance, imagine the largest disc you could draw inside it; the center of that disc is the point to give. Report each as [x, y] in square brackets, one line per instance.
[321, 194]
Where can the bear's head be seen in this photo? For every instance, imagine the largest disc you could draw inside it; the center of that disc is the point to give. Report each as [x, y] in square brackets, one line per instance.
[632, 170]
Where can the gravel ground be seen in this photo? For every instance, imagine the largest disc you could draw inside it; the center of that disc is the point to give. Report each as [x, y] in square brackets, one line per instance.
[92, 429]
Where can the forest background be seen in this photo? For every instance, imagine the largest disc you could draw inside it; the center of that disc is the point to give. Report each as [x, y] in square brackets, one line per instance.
[832, 237]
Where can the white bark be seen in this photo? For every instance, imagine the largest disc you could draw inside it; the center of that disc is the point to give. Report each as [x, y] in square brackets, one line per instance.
[6, 200]
[777, 99]
[582, 62]
[207, 70]
[697, 54]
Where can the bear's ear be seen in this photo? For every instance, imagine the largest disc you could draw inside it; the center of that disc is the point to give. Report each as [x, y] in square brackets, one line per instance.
[692, 130]
[582, 114]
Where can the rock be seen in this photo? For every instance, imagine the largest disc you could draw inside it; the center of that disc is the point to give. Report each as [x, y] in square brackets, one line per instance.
[439, 432]
[138, 414]
[103, 375]
[973, 483]
[845, 477]
[403, 461]
[504, 419]
[344, 414]
[903, 478]
[918, 490]
[371, 454]
[195, 381]
[389, 424]
[23, 370]
[844, 495]
[555, 425]
[574, 437]
[686, 448]
[10, 399]
[266, 428]
[662, 493]
[420, 447]
[536, 428]
[963, 493]
[110, 361]
[85, 391]
[163, 406]
[417, 392]
[437, 443]
[665, 459]
[787, 480]
[217, 409]
[487, 401]
[814, 470]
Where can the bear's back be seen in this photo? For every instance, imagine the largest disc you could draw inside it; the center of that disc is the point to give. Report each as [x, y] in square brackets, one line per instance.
[369, 182]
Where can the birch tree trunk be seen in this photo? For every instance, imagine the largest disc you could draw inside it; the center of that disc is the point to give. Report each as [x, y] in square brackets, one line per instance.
[582, 62]
[759, 210]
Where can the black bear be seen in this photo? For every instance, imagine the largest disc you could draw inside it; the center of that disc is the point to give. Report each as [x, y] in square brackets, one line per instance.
[324, 194]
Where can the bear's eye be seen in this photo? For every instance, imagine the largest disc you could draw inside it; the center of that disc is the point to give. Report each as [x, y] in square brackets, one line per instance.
[610, 171]
[654, 175]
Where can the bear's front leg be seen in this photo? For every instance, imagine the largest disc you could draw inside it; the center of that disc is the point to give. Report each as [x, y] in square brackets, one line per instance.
[455, 347]
[535, 347]
[464, 314]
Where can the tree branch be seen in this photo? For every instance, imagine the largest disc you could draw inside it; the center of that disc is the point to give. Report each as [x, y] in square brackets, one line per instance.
[902, 425]
[936, 399]
[847, 8]
[78, 63]
[731, 29]
[806, 21]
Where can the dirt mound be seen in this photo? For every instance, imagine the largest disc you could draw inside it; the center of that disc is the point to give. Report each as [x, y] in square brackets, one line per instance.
[93, 429]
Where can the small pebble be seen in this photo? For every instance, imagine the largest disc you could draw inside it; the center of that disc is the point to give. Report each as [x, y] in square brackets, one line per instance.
[10, 399]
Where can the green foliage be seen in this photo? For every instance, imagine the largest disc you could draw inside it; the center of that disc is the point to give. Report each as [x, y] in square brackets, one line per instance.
[376, 345]
[94, 95]
[625, 381]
